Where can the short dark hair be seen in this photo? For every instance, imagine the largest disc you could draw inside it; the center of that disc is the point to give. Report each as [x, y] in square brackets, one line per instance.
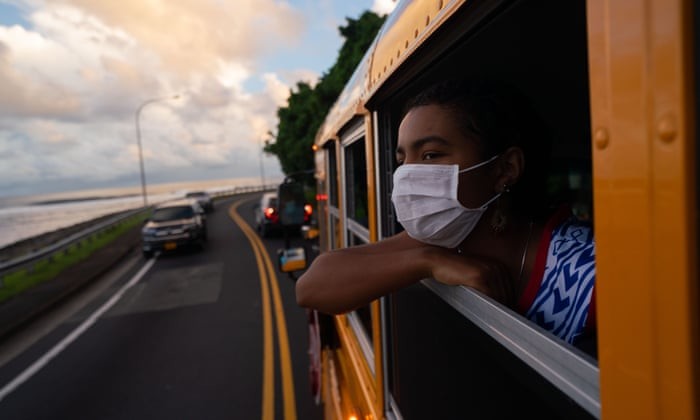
[497, 116]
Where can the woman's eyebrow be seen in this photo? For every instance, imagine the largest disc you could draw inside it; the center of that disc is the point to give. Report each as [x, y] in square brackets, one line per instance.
[417, 144]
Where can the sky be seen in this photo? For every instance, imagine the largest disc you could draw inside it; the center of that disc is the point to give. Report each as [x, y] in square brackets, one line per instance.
[207, 76]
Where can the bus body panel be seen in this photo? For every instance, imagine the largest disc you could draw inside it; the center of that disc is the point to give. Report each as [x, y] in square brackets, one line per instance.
[645, 207]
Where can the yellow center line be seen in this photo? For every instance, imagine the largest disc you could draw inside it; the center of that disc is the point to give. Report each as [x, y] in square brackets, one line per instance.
[290, 409]
[282, 335]
[268, 391]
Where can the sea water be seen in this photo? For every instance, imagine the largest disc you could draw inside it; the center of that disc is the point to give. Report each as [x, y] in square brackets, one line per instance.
[29, 216]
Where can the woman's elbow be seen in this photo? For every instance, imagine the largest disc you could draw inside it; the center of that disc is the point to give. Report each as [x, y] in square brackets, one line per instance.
[304, 294]
[310, 295]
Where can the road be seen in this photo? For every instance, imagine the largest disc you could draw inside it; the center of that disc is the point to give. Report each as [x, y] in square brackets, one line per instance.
[212, 334]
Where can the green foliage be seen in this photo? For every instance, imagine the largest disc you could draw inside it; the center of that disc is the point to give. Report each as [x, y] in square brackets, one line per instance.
[307, 106]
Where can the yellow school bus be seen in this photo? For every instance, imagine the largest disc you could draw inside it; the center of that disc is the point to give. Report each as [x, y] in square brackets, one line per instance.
[616, 82]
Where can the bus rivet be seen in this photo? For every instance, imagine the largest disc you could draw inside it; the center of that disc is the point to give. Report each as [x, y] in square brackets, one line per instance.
[601, 138]
[667, 128]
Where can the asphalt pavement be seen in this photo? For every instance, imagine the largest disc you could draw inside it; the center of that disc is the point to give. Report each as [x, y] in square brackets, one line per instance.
[185, 339]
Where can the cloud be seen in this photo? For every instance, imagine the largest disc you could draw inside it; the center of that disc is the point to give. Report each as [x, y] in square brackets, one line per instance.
[383, 7]
[29, 92]
[194, 35]
[75, 72]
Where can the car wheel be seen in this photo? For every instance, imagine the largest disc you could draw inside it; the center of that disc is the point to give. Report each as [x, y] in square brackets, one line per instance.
[147, 254]
[264, 231]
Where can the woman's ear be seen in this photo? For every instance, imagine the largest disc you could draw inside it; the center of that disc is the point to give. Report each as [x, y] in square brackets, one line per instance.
[510, 167]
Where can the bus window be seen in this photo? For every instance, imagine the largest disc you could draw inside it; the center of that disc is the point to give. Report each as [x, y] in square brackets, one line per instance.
[462, 326]
[332, 172]
[356, 181]
[356, 220]
[333, 235]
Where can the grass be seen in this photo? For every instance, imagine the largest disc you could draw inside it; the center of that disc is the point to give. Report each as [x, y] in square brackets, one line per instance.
[44, 270]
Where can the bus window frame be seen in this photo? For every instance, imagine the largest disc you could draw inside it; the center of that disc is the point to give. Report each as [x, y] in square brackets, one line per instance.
[355, 132]
[334, 214]
[567, 368]
[362, 339]
[358, 230]
[570, 370]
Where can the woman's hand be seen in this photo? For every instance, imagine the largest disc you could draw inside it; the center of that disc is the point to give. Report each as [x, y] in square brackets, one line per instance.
[483, 274]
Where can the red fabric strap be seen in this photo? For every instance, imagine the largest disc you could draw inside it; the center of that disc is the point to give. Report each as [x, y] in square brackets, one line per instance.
[535, 281]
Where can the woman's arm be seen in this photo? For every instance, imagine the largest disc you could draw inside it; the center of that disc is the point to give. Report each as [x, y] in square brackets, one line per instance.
[344, 279]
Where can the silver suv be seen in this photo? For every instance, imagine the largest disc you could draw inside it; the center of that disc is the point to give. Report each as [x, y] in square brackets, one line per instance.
[173, 225]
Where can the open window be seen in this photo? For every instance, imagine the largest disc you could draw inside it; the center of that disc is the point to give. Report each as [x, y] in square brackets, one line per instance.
[456, 330]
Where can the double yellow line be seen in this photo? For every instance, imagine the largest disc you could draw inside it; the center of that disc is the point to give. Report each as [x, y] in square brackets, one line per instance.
[268, 282]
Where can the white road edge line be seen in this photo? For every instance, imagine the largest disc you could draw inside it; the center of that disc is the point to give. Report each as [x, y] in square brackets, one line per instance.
[58, 348]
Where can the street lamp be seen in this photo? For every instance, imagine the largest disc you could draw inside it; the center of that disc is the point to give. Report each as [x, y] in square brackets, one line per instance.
[138, 141]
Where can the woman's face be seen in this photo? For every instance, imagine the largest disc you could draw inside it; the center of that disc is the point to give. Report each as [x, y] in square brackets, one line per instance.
[429, 134]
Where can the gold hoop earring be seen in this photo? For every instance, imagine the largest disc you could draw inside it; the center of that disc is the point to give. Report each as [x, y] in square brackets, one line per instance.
[499, 219]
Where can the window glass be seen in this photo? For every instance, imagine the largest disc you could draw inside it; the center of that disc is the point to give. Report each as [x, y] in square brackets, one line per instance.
[356, 207]
[335, 232]
[172, 213]
[365, 315]
[332, 174]
[356, 181]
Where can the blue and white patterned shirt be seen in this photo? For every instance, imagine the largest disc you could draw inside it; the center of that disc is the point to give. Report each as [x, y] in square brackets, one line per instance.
[562, 301]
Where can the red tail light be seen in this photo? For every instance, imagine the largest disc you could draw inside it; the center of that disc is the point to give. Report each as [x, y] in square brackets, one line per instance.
[271, 214]
[308, 209]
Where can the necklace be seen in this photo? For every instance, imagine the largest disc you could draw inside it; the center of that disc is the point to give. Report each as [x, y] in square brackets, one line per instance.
[522, 262]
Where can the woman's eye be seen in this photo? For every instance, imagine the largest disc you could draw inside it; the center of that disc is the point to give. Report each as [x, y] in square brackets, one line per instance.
[430, 155]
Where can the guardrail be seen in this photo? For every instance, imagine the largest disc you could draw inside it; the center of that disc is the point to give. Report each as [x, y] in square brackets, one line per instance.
[243, 190]
[48, 252]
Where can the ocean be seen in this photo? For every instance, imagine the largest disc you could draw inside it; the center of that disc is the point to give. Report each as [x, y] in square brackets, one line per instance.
[28, 216]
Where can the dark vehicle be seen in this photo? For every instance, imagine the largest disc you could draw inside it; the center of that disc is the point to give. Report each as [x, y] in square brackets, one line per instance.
[267, 215]
[203, 198]
[174, 225]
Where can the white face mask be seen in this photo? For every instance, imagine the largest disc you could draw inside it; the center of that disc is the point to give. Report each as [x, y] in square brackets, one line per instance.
[426, 203]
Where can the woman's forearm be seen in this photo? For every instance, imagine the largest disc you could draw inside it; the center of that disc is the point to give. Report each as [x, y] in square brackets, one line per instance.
[342, 280]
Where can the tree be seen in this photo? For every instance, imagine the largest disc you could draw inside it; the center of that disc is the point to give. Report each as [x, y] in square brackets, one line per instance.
[307, 106]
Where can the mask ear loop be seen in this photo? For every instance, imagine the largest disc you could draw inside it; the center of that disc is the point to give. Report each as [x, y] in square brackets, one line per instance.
[478, 165]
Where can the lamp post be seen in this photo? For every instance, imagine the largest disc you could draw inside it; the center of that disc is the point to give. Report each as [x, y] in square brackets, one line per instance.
[138, 141]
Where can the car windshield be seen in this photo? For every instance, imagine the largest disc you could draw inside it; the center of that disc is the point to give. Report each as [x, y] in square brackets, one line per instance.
[196, 194]
[172, 213]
